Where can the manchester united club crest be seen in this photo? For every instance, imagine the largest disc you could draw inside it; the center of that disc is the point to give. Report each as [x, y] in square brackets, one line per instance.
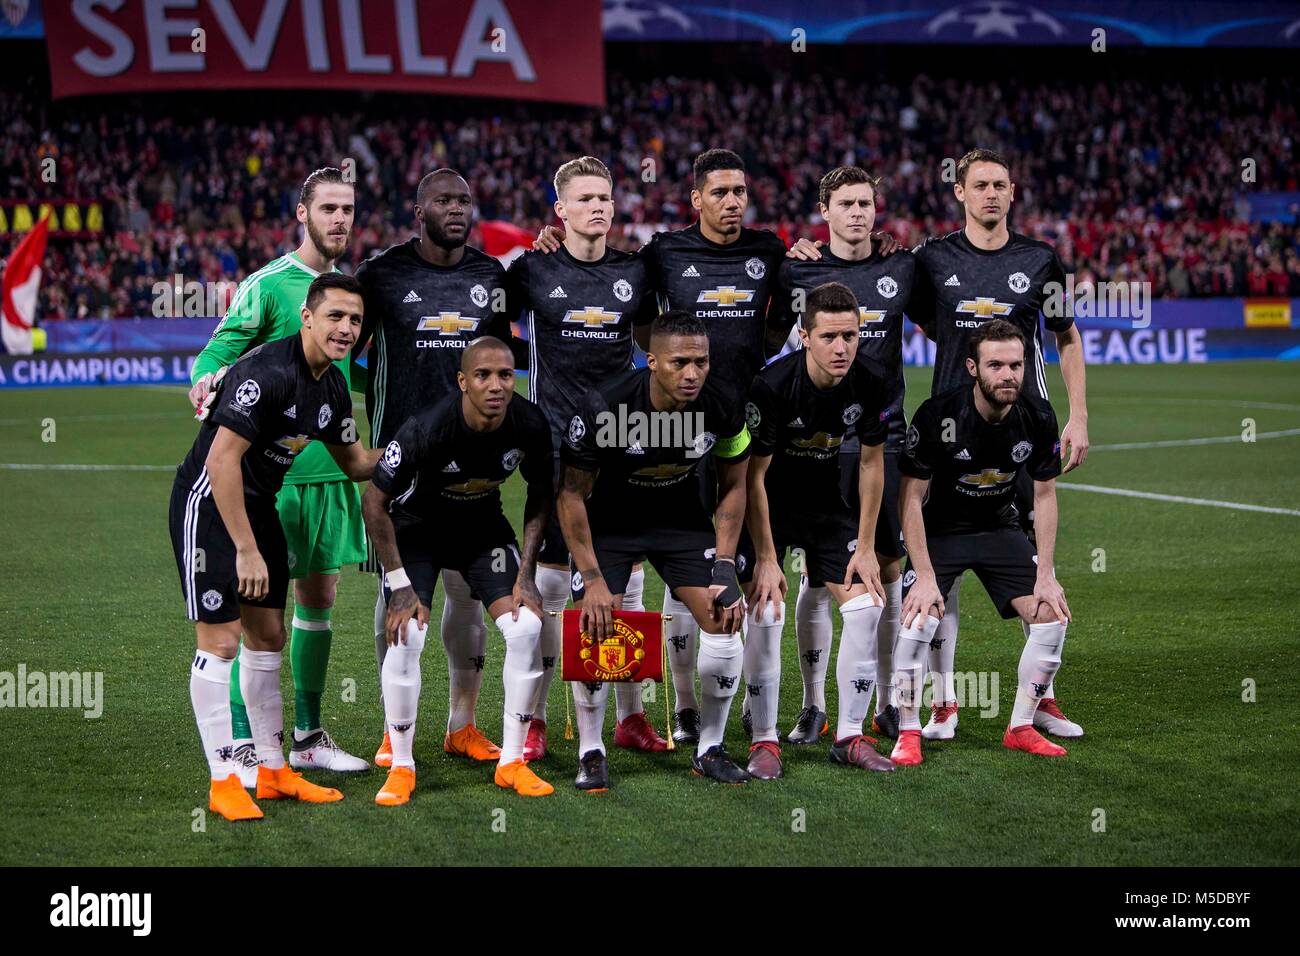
[616, 658]
[622, 290]
[754, 268]
[479, 296]
[1019, 282]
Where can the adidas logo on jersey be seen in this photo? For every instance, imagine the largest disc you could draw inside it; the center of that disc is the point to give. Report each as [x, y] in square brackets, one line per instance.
[797, 423]
[412, 297]
[952, 280]
[291, 411]
[962, 455]
[559, 293]
[451, 469]
[690, 272]
[636, 449]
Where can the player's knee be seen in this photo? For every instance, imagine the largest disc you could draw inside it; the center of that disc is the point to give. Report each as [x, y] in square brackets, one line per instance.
[1042, 614]
[528, 626]
[767, 615]
[890, 568]
[221, 640]
[316, 590]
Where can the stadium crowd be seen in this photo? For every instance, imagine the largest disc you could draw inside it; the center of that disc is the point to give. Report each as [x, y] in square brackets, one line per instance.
[1130, 181]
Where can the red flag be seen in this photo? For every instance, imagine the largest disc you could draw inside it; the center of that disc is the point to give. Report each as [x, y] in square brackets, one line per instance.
[504, 240]
[18, 293]
[633, 653]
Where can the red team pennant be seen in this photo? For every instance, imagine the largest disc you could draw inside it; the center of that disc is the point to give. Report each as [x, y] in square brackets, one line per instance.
[633, 653]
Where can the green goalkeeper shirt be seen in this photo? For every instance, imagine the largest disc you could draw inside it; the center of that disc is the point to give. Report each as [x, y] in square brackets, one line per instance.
[268, 306]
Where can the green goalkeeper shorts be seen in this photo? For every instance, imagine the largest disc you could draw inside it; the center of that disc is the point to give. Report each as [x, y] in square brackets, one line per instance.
[322, 526]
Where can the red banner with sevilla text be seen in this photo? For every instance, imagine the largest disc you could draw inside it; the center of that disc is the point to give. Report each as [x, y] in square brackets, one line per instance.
[519, 49]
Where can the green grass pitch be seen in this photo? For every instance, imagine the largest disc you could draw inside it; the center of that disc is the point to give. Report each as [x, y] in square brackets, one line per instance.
[1196, 606]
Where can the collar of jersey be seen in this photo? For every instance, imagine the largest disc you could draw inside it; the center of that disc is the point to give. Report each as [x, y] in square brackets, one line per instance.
[293, 257]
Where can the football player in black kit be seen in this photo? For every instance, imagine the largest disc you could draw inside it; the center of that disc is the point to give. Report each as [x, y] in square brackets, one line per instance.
[426, 300]
[964, 279]
[883, 287]
[433, 505]
[630, 454]
[980, 272]
[963, 454]
[581, 304]
[802, 408]
[229, 543]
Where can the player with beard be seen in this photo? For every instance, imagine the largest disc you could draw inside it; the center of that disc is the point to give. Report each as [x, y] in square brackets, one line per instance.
[962, 457]
[802, 408]
[630, 454]
[882, 286]
[435, 503]
[318, 506]
[278, 400]
[427, 299]
[581, 304]
[964, 279]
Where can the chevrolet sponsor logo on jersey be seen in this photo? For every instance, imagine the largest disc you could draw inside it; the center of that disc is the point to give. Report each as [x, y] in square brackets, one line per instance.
[593, 320]
[474, 488]
[663, 474]
[448, 324]
[820, 445]
[989, 477]
[869, 317]
[982, 307]
[290, 445]
[725, 296]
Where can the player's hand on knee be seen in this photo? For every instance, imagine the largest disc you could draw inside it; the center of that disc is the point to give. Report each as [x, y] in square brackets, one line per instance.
[769, 587]
[805, 249]
[863, 563]
[254, 579]
[526, 595]
[924, 598]
[728, 598]
[549, 239]
[1048, 591]
[404, 605]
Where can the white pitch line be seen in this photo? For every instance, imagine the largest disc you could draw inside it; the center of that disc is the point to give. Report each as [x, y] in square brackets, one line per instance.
[1175, 442]
[123, 417]
[1176, 499]
[20, 466]
[1219, 402]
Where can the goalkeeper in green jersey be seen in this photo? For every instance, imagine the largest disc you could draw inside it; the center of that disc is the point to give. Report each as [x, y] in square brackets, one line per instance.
[320, 509]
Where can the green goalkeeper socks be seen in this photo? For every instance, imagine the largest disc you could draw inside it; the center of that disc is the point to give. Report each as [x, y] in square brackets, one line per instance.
[309, 657]
[239, 727]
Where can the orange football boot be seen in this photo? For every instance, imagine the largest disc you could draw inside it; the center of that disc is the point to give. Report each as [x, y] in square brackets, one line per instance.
[397, 788]
[229, 798]
[517, 777]
[470, 742]
[384, 755]
[284, 783]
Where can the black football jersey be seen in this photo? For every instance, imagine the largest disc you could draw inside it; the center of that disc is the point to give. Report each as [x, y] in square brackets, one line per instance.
[580, 317]
[883, 288]
[436, 468]
[802, 427]
[728, 287]
[421, 317]
[973, 475]
[271, 398]
[647, 459]
[959, 287]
